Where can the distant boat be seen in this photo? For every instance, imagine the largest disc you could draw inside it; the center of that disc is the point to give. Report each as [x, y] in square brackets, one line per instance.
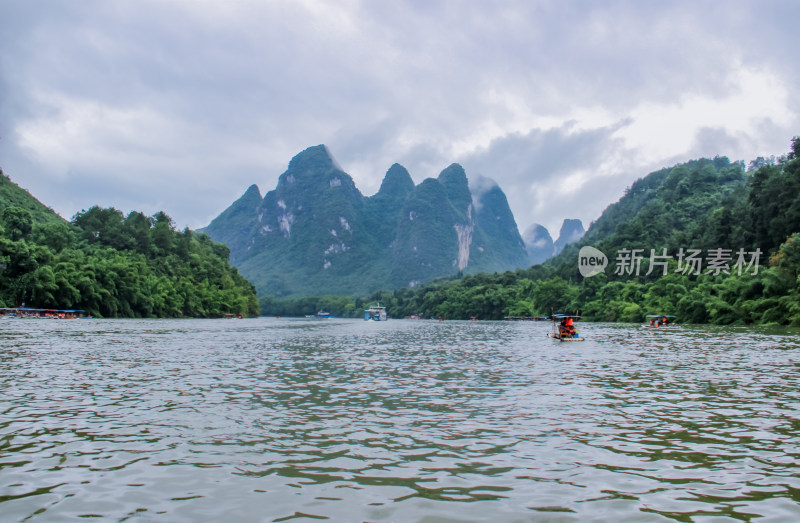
[50, 314]
[661, 321]
[375, 313]
[323, 314]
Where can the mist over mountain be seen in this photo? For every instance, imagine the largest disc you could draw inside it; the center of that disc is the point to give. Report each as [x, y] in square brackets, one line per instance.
[571, 231]
[315, 233]
[538, 243]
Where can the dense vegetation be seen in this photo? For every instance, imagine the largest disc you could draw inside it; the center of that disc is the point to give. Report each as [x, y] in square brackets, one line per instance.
[706, 205]
[112, 265]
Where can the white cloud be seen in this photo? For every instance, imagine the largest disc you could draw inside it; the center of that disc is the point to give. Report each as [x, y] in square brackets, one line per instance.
[668, 130]
[70, 131]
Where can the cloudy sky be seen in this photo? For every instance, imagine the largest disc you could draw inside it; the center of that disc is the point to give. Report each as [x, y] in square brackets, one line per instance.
[181, 105]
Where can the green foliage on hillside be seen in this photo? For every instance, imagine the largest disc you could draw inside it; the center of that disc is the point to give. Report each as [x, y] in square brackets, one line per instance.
[12, 195]
[231, 226]
[712, 206]
[425, 242]
[383, 210]
[112, 265]
[497, 236]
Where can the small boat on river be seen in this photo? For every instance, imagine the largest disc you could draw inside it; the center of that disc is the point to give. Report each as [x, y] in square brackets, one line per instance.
[661, 321]
[564, 328]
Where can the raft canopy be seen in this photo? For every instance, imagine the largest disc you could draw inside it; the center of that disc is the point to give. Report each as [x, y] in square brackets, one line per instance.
[564, 316]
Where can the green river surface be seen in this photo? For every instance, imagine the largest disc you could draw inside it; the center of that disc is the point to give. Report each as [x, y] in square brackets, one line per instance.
[273, 419]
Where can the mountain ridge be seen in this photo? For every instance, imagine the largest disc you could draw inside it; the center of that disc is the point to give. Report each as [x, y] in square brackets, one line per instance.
[316, 233]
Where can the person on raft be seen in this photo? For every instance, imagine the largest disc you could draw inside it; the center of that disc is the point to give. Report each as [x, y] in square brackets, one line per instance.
[567, 329]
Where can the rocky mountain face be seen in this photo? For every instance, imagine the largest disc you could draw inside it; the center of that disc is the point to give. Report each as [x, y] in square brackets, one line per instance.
[315, 233]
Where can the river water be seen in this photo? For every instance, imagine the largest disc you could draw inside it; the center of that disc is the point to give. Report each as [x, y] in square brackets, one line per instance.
[303, 420]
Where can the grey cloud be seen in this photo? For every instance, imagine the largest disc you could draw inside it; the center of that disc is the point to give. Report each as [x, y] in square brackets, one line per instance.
[534, 167]
[102, 101]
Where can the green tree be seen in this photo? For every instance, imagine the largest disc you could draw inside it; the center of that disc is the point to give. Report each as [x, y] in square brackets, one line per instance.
[556, 295]
[17, 222]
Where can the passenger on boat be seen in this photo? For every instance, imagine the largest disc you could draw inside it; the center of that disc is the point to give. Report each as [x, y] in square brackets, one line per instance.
[571, 332]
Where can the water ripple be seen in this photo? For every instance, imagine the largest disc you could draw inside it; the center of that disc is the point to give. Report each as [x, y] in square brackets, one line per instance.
[276, 420]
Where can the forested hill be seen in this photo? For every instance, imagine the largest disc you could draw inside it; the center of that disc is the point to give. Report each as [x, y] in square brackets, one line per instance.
[112, 265]
[669, 208]
[724, 242]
